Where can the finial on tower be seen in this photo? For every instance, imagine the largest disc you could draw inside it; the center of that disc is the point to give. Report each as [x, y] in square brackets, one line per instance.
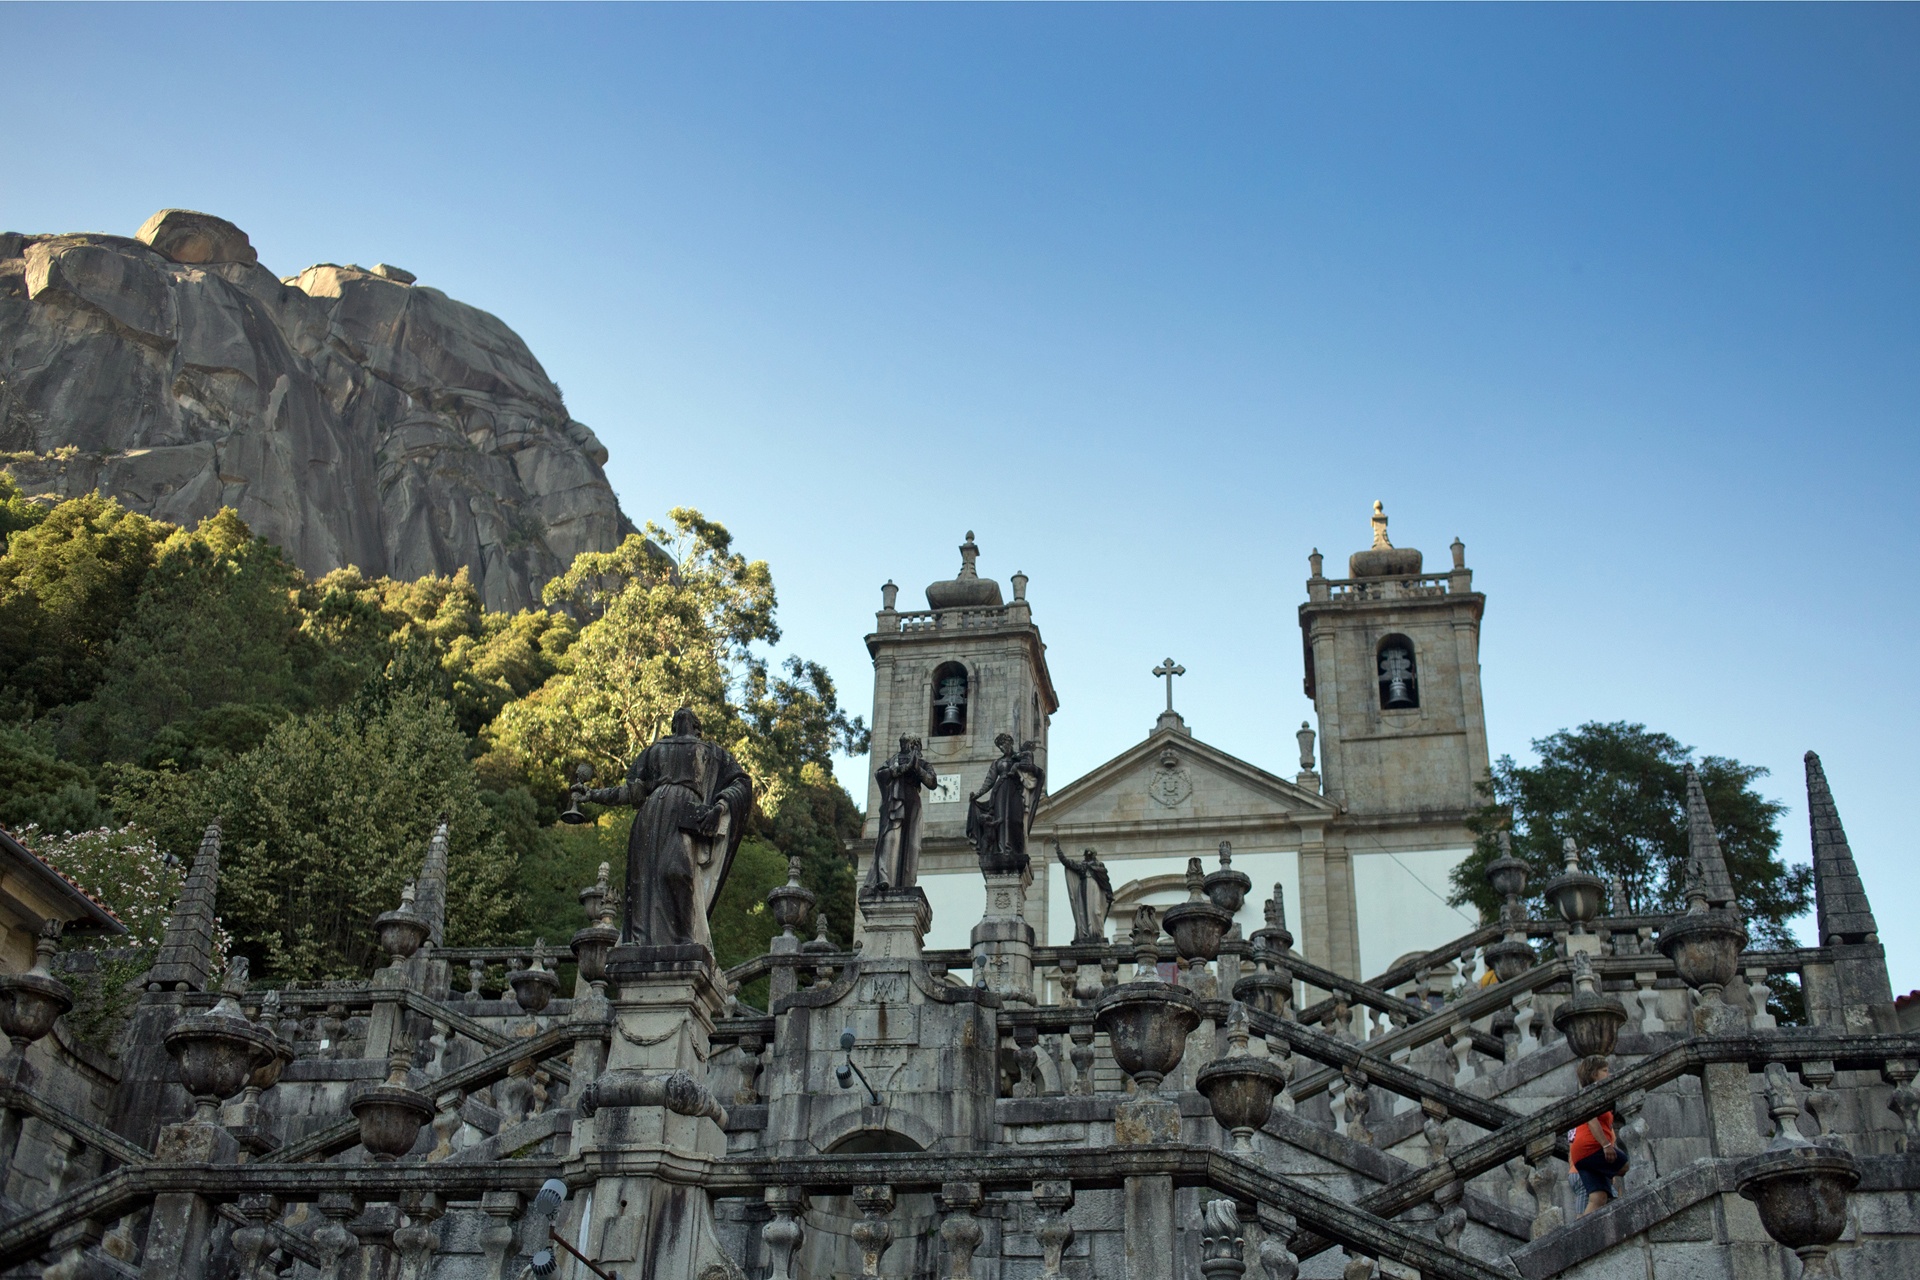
[1380, 540]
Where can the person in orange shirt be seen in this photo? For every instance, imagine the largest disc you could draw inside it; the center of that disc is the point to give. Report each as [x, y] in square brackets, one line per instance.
[1596, 1155]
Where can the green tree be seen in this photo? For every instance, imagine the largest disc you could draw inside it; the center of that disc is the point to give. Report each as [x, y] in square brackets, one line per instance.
[17, 511]
[1619, 790]
[208, 653]
[671, 620]
[66, 587]
[38, 789]
[324, 822]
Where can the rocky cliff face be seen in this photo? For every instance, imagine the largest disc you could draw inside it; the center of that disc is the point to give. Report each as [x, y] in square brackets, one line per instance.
[351, 415]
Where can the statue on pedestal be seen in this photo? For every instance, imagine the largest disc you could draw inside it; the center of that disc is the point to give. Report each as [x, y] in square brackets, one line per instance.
[694, 799]
[1089, 894]
[1000, 813]
[896, 854]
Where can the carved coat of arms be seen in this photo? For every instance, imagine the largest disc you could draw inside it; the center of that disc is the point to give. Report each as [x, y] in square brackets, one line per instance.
[1170, 784]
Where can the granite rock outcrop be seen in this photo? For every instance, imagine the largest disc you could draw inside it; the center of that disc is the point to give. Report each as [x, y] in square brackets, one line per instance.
[351, 415]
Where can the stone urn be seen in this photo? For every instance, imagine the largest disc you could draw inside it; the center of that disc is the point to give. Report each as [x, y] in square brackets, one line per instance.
[1591, 1020]
[1198, 928]
[218, 1053]
[1574, 893]
[391, 1115]
[591, 947]
[31, 1002]
[1801, 1193]
[1509, 959]
[1147, 1025]
[401, 932]
[1241, 1090]
[791, 903]
[534, 986]
[1226, 888]
[1265, 990]
[1705, 947]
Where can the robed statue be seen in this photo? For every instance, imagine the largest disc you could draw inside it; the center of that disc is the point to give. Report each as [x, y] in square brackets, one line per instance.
[1000, 813]
[896, 854]
[694, 800]
[1089, 894]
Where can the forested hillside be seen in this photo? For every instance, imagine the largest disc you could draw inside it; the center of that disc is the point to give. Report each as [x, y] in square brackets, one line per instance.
[154, 677]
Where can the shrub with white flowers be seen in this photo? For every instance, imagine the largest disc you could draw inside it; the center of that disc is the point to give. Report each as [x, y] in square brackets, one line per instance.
[123, 869]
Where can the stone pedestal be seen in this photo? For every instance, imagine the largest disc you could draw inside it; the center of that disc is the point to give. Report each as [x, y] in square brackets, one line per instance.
[649, 1203]
[179, 1244]
[896, 923]
[1003, 940]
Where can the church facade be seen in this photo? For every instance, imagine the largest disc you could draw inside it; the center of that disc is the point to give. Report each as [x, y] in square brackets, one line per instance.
[1360, 834]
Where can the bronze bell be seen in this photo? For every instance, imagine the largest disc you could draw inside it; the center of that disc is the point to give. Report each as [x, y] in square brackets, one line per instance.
[571, 814]
[953, 700]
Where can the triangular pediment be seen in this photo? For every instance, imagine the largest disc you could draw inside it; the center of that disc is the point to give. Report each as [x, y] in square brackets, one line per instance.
[1174, 778]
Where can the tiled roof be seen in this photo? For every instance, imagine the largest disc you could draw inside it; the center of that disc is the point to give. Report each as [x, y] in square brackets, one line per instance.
[102, 913]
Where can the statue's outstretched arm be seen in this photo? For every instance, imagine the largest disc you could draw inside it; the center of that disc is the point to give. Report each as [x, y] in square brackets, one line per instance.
[622, 794]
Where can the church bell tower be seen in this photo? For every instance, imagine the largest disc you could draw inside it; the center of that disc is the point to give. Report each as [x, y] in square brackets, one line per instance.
[1393, 668]
[967, 668]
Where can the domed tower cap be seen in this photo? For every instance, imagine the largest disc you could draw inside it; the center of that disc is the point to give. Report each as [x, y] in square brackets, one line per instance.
[1383, 559]
[969, 590]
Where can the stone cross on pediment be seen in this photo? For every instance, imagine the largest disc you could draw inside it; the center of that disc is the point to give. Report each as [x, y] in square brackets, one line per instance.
[1169, 670]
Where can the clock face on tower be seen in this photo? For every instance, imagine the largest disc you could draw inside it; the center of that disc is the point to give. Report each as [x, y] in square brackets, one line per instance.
[948, 791]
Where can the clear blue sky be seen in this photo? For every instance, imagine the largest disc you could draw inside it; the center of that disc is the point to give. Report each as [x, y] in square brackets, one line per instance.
[1156, 300]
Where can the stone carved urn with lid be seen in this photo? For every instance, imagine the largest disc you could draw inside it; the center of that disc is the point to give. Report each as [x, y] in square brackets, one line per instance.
[391, 1115]
[1240, 1087]
[1199, 924]
[219, 1051]
[401, 931]
[1591, 1020]
[31, 1002]
[1799, 1187]
[535, 985]
[1147, 1021]
[1574, 893]
[1512, 956]
[593, 944]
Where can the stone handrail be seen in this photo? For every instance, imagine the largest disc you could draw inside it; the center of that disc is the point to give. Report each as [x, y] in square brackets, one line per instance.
[477, 1074]
[1186, 1164]
[14, 1098]
[1545, 1128]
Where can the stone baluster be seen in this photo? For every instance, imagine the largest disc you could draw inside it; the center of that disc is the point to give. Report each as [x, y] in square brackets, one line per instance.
[751, 1047]
[960, 1231]
[1633, 1127]
[1359, 1267]
[1820, 1098]
[1051, 1229]
[446, 1124]
[476, 979]
[873, 1233]
[416, 1241]
[1452, 1222]
[253, 1242]
[1057, 1052]
[1903, 1102]
[1757, 994]
[1434, 1130]
[1523, 1016]
[1082, 1034]
[1460, 1045]
[783, 1231]
[1357, 1102]
[1282, 1054]
[496, 1236]
[1651, 1022]
[333, 1242]
[1026, 1051]
[1222, 1244]
[1544, 1178]
[1519, 1193]
[1109, 972]
[58, 1161]
[1275, 1252]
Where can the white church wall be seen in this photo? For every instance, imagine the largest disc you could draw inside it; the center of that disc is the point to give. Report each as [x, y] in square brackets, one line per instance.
[1401, 901]
[957, 900]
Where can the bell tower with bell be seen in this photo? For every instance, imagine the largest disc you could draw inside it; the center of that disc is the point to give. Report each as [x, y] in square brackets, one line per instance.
[967, 668]
[1393, 668]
